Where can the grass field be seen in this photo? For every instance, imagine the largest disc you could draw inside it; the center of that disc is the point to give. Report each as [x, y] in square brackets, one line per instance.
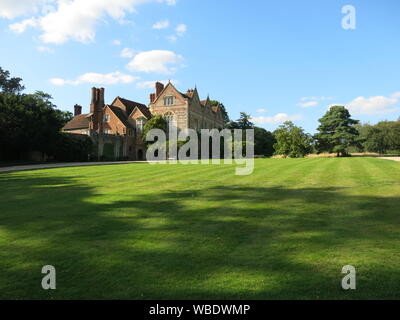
[141, 231]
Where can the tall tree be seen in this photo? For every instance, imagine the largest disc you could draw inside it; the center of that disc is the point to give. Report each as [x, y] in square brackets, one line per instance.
[337, 132]
[264, 142]
[223, 110]
[244, 122]
[292, 141]
[8, 84]
[29, 122]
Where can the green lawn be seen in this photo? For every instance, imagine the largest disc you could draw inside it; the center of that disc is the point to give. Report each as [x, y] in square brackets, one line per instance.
[141, 231]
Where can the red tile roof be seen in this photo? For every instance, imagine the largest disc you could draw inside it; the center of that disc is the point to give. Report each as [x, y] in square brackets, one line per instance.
[79, 122]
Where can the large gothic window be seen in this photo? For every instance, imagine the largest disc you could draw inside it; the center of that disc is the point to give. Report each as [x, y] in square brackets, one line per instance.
[170, 118]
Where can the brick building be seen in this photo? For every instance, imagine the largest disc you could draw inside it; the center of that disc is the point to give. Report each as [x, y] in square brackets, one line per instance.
[116, 128]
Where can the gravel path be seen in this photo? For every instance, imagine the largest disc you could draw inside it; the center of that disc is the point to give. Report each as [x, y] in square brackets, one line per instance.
[391, 158]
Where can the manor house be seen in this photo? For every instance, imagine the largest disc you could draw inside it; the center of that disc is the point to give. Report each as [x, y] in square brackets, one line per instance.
[116, 128]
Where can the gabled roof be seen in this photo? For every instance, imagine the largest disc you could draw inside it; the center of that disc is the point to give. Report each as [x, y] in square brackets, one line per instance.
[120, 115]
[130, 105]
[145, 112]
[79, 122]
[184, 96]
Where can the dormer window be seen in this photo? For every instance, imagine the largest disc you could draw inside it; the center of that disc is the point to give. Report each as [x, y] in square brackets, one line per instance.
[169, 101]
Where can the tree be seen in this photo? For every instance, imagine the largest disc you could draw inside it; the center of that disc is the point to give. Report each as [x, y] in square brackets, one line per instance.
[244, 122]
[28, 122]
[223, 110]
[157, 122]
[9, 85]
[292, 141]
[337, 132]
[381, 138]
[264, 142]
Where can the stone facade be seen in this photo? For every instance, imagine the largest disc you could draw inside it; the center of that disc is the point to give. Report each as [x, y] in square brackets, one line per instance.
[185, 109]
[116, 128]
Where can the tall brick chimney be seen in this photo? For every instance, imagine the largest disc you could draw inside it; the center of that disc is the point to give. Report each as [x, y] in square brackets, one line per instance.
[77, 110]
[159, 88]
[96, 108]
[152, 97]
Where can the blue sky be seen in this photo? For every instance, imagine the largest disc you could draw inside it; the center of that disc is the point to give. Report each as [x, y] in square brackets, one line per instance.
[276, 60]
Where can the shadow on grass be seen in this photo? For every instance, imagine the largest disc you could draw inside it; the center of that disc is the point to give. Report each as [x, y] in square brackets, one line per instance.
[223, 242]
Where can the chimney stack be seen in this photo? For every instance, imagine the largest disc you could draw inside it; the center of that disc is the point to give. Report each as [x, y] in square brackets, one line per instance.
[152, 97]
[159, 88]
[77, 110]
[101, 97]
[94, 96]
[96, 108]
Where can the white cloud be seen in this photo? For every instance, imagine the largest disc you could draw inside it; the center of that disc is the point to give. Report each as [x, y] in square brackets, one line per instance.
[20, 27]
[151, 84]
[308, 104]
[72, 19]
[278, 118]
[168, 2]
[11, 9]
[117, 42]
[180, 32]
[181, 29]
[261, 110]
[157, 61]
[323, 98]
[172, 38]
[161, 25]
[97, 78]
[44, 49]
[375, 105]
[127, 53]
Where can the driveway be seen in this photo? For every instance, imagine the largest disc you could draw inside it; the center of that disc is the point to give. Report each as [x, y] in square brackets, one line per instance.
[61, 165]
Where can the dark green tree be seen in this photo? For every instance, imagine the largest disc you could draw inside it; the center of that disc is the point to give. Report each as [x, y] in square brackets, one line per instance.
[29, 122]
[292, 141]
[244, 122]
[157, 122]
[223, 109]
[381, 138]
[8, 84]
[337, 132]
[264, 142]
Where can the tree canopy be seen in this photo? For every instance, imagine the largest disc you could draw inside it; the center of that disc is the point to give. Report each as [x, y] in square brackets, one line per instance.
[337, 132]
[292, 141]
[223, 110]
[382, 138]
[8, 84]
[31, 122]
[157, 122]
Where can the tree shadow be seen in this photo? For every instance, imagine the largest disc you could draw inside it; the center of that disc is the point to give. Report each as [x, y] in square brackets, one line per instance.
[220, 242]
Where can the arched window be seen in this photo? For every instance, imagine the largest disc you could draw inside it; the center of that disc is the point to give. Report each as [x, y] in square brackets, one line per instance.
[170, 118]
